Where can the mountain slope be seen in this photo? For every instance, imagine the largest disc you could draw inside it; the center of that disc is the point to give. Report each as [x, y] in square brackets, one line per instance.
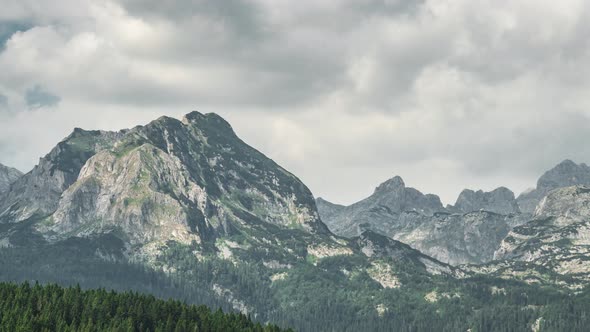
[37, 192]
[379, 246]
[470, 238]
[557, 238]
[7, 176]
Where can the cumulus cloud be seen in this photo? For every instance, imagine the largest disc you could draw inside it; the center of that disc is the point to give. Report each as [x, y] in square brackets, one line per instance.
[344, 93]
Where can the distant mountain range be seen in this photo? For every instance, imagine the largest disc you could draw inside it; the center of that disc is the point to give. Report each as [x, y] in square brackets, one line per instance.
[468, 232]
[185, 209]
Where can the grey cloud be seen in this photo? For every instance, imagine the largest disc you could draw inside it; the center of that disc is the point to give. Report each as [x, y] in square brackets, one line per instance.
[38, 97]
[244, 18]
[3, 102]
[388, 7]
[7, 29]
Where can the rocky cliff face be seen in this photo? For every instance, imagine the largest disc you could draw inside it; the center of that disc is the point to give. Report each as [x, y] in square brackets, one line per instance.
[470, 238]
[565, 174]
[500, 200]
[8, 176]
[328, 209]
[557, 238]
[37, 193]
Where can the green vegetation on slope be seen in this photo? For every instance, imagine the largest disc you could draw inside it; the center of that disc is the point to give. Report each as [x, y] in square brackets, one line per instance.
[335, 295]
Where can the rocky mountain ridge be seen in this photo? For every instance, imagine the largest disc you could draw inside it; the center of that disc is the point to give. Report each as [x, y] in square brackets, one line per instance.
[565, 174]
[468, 232]
[388, 201]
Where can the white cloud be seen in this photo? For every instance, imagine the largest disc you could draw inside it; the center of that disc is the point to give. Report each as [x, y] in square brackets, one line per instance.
[448, 94]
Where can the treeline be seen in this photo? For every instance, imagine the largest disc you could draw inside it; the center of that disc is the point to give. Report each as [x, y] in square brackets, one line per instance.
[53, 308]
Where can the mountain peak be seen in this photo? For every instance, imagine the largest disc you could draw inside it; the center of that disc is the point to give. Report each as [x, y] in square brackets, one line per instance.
[500, 200]
[567, 163]
[190, 180]
[392, 184]
[566, 173]
[7, 176]
[209, 119]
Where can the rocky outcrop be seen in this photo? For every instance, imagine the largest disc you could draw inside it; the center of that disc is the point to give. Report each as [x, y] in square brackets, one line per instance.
[565, 174]
[558, 236]
[394, 194]
[500, 200]
[470, 238]
[7, 177]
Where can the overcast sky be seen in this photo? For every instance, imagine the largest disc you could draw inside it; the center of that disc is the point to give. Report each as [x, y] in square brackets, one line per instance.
[448, 94]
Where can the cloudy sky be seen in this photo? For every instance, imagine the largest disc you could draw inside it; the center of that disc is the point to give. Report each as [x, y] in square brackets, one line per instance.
[448, 94]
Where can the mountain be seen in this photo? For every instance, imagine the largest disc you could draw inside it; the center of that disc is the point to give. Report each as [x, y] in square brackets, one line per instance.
[557, 239]
[565, 174]
[381, 209]
[500, 200]
[184, 209]
[189, 180]
[190, 199]
[469, 232]
[7, 176]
